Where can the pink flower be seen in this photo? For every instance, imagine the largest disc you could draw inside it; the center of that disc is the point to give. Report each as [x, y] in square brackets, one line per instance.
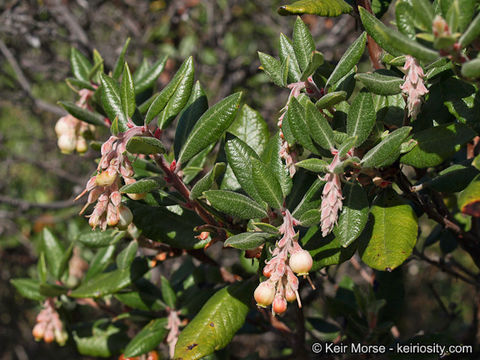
[332, 200]
[413, 86]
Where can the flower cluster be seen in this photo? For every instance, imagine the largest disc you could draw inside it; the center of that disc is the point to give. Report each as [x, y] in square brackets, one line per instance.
[288, 258]
[413, 86]
[173, 327]
[104, 186]
[49, 327]
[332, 200]
[71, 132]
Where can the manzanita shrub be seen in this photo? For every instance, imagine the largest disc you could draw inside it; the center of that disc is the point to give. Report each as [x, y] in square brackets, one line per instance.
[356, 159]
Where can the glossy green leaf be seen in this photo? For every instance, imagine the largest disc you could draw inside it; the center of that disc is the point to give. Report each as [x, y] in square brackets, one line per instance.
[42, 267]
[100, 339]
[216, 323]
[85, 115]
[391, 237]
[100, 261]
[471, 69]
[380, 7]
[469, 199]
[53, 250]
[142, 186]
[118, 68]
[329, 8]
[96, 239]
[28, 288]
[145, 145]
[264, 227]
[267, 185]
[388, 150]
[460, 15]
[472, 32]
[168, 294]
[331, 99]
[314, 164]
[273, 68]
[453, 179]
[310, 218]
[211, 126]
[197, 104]
[437, 144]
[250, 127]
[112, 103]
[247, 240]
[311, 199]
[354, 215]
[286, 51]
[271, 157]
[405, 19]
[126, 256]
[141, 300]
[52, 290]
[81, 66]
[147, 79]
[361, 117]
[147, 339]
[348, 60]
[303, 43]
[392, 41]
[207, 181]
[235, 204]
[78, 84]
[319, 127]
[423, 12]
[381, 84]
[296, 121]
[315, 61]
[65, 259]
[127, 92]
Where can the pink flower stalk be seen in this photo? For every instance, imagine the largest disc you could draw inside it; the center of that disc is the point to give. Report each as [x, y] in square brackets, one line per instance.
[173, 326]
[332, 200]
[295, 88]
[103, 187]
[282, 283]
[413, 86]
[71, 131]
[49, 327]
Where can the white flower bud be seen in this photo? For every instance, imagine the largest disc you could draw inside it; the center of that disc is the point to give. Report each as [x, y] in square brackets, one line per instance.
[66, 143]
[264, 294]
[301, 262]
[125, 217]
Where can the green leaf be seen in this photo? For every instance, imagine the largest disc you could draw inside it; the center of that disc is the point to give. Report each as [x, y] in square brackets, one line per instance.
[379, 7]
[264, 227]
[328, 8]
[216, 323]
[127, 92]
[361, 117]
[207, 181]
[423, 12]
[210, 126]
[354, 215]
[472, 32]
[42, 268]
[100, 261]
[271, 156]
[381, 84]
[266, 184]
[388, 150]
[166, 103]
[110, 282]
[126, 256]
[80, 65]
[197, 104]
[118, 68]
[391, 238]
[168, 294]
[310, 218]
[77, 84]
[53, 253]
[311, 199]
[453, 179]
[392, 41]
[141, 300]
[296, 121]
[28, 288]
[469, 199]
[315, 61]
[250, 127]
[349, 59]
[346, 146]
[148, 78]
[147, 339]
[314, 164]
[65, 260]
[235, 204]
[273, 68]
[96, 239]
[331, 99]
[303, 43]
[82, 114]
[145, 145]
[247, 240]
[437, 144]
[52, 290]
[405, 19]
[319, 127]
[471, 69]
[112, 103]
[238, 156]
[287, 53]
[100, 339]
[142, 186]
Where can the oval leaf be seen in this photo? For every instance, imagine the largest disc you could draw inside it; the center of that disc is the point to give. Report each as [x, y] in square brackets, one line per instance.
[247, 240]
[381, 84]
[329, 8]
[267, 185]
[361, 117]
[145, 145]
[235, 204]
[469, 199]
[388, 150]
[147, 339]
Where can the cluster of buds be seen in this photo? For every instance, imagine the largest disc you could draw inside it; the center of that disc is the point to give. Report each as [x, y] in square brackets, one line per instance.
[49, 327]
[332, 200]
[72, 132]
[445, 41]
[104, 187]
[288, 259]
[173, 327]
[295, 88]
[413, 86]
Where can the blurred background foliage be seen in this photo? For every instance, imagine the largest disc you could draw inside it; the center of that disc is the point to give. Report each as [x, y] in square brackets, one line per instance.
[37, 183]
